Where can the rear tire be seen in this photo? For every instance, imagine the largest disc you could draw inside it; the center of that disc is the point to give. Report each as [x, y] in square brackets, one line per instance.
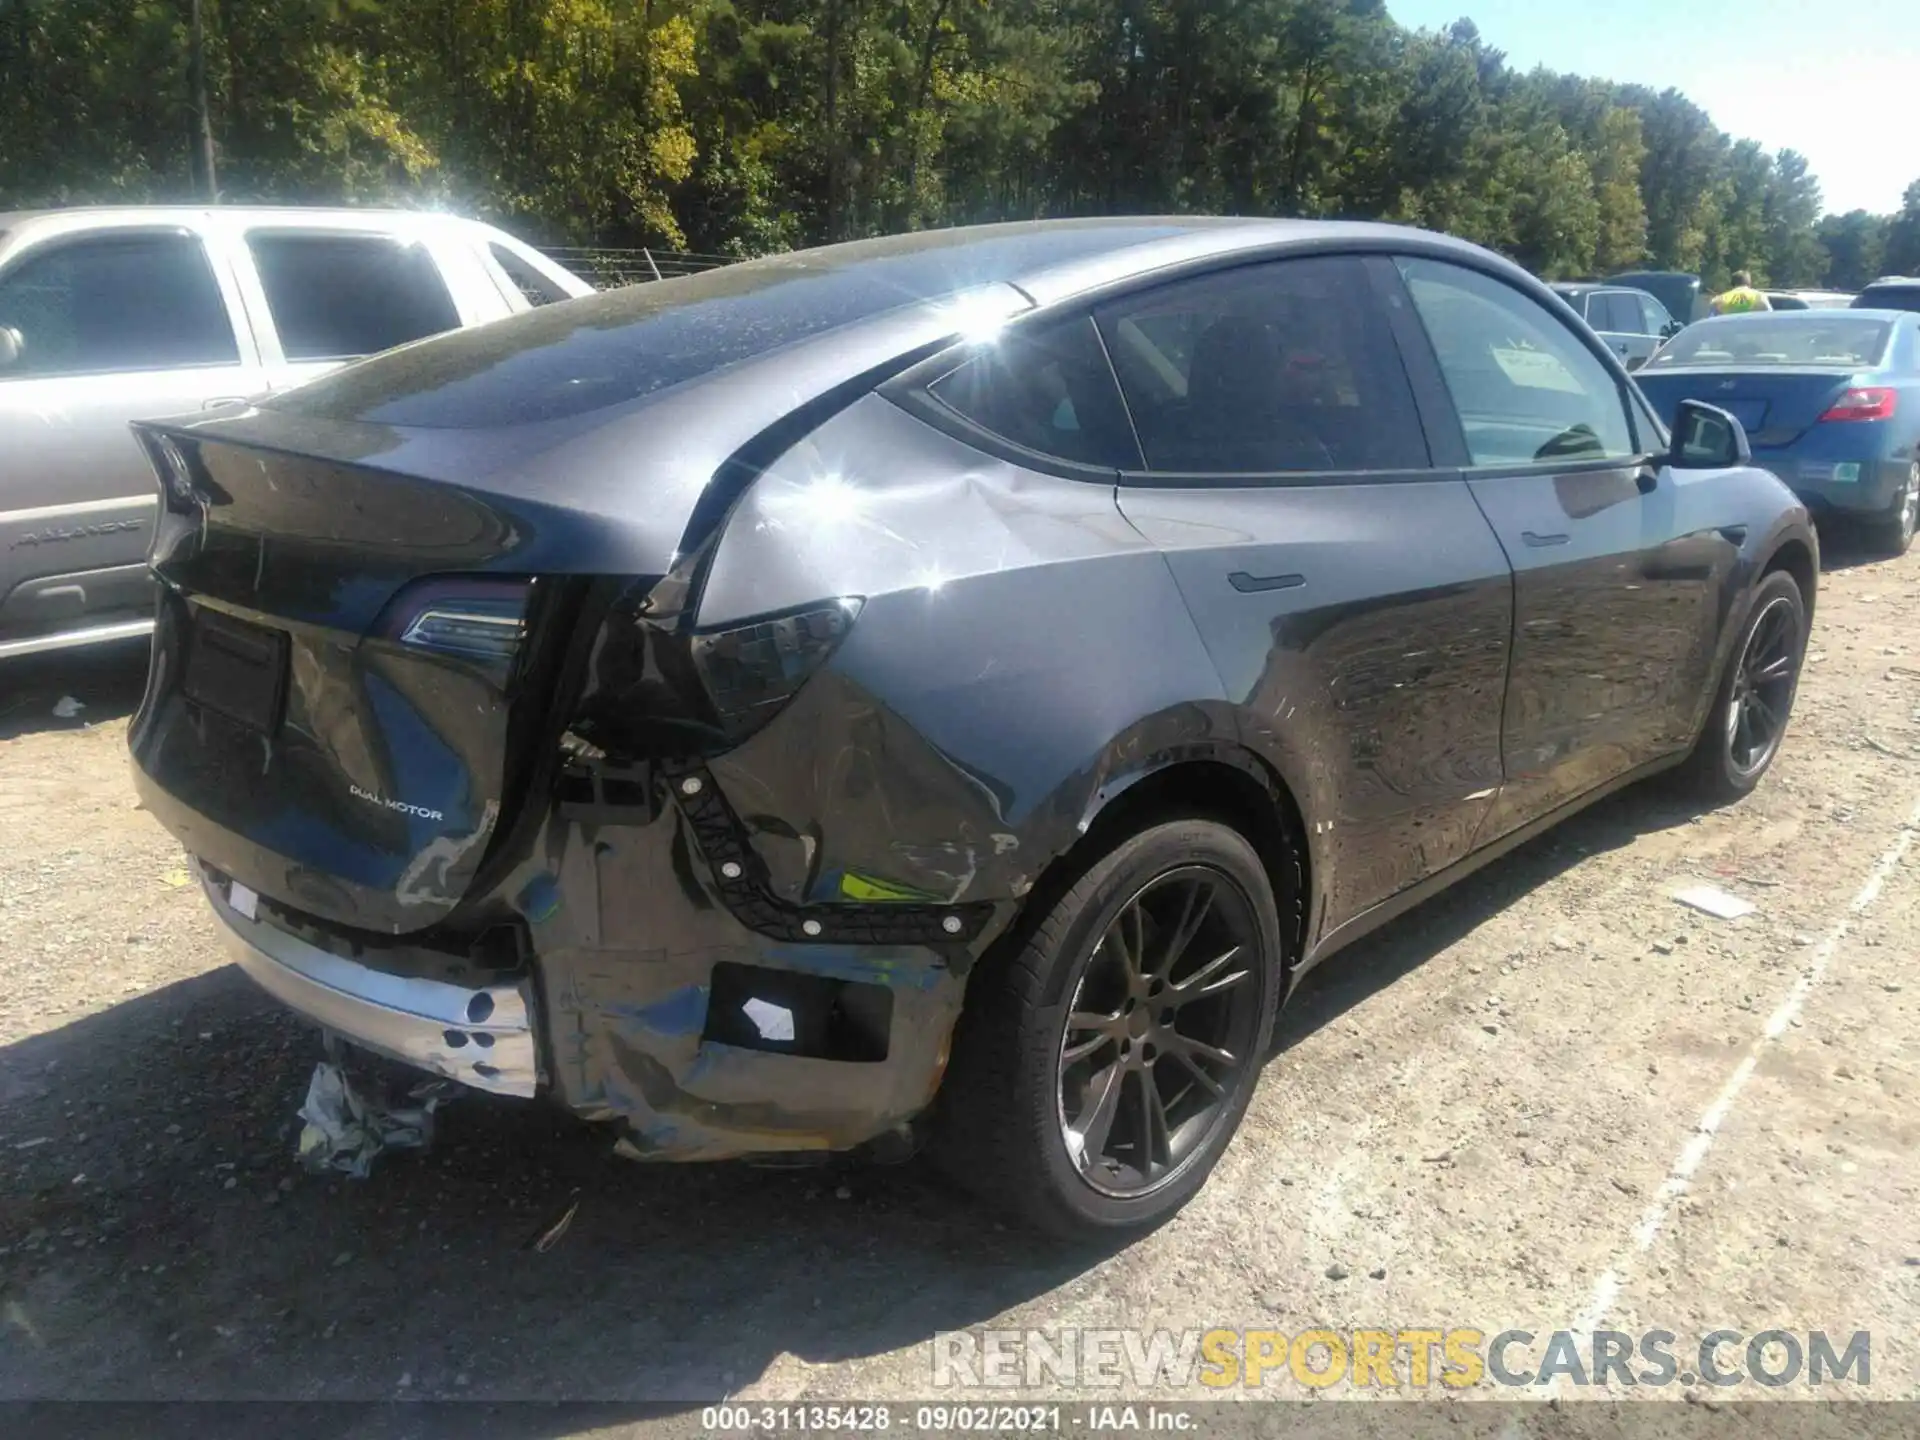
[1892, 534]
[1087, 1095]
[1754, 700]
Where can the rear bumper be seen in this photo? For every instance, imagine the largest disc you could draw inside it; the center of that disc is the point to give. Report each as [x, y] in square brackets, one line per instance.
[1819, 487]
[648, 1004]
[481, 1037]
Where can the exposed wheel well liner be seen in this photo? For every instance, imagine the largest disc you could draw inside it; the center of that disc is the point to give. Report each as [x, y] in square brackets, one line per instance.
[1236, 790]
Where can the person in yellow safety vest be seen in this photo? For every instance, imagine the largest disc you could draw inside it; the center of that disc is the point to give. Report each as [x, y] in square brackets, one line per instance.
[1741, 298]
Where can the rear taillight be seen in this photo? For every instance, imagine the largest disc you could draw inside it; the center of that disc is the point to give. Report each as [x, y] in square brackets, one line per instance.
[468, 619]
[1871, 402]
[175, 476]
[751, 670]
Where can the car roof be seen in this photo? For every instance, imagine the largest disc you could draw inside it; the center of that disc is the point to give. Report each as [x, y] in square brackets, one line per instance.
[680, 373]
[165, 213]
[22, 228]
[640, 341]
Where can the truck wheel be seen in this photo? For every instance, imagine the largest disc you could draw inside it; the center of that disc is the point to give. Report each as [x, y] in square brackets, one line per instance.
[1104, 1064]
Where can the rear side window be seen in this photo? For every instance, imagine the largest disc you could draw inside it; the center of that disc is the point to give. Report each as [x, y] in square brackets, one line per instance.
[1525, 388]
[334, 297]
[1269, 369]
[1050, 391]
[536, 288]
[116, 303]
[1618, 313]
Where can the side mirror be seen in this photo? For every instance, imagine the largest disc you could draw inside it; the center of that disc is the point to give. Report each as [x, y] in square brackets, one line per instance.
[1707, 438]
[1672, 328]
[12, 343]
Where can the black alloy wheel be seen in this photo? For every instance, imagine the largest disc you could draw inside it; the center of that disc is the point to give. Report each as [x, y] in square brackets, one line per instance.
[1763, 681]
[1109, 1048]
[1755, 697]
[1163, 1024]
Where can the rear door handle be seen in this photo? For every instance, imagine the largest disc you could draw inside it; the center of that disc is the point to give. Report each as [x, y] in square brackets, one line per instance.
[1253, 584]
[1540, 542]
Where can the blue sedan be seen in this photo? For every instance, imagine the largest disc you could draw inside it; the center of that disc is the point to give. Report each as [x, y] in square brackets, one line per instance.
[1830, 400]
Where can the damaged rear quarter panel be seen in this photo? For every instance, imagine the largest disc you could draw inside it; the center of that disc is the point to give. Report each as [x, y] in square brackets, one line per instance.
[626, 968]
[1019, 647]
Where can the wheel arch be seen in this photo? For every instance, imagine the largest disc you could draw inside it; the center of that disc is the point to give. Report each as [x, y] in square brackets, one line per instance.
[1218, 781]
[1796, 555]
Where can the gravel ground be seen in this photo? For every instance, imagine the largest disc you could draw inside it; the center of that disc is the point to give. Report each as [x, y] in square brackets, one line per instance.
[1553, 1098]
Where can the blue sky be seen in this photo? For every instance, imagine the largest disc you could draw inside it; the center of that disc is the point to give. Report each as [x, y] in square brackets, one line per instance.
[1837, 80]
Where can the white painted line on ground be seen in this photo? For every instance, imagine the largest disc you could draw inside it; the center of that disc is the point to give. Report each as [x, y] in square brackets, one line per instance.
[1607, 1290]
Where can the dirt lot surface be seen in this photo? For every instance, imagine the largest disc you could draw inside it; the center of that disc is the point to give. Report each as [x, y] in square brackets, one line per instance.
[1552, 1099]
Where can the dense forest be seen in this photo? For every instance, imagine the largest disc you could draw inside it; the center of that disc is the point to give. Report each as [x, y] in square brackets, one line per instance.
[742, 126]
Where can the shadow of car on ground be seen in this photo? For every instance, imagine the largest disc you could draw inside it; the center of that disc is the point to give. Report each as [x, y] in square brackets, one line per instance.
[64, 690]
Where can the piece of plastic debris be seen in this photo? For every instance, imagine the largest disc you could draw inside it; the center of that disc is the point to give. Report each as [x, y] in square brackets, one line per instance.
[347, 1128]
[243, 900]
[774, 1022]
[549, 1235]
[66, 707]
[176, 878]
[1715, 902]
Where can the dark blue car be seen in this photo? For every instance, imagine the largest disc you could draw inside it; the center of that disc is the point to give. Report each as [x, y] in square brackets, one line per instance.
[1830, 400]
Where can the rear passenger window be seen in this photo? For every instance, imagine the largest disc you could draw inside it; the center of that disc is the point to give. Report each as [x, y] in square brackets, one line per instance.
[115, 303]
[335, 297]
[1525, 388]
[1049, 390]
[1617, 313]
[1271, 368]
[536, 288]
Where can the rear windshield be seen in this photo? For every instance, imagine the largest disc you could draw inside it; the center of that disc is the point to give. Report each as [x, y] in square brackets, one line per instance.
[1760, 340]
[1888, 297]
[607, 349]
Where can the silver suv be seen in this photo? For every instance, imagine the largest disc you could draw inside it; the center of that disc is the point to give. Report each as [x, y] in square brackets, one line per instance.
[1631, 323]
[114, 315]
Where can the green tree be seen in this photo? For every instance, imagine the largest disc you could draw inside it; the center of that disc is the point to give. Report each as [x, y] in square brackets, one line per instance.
[742, 126]
[1619, 151]
[1902, 255]
[1854, 244]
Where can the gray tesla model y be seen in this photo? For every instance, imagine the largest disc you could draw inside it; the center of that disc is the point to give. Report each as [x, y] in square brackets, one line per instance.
[953, 684]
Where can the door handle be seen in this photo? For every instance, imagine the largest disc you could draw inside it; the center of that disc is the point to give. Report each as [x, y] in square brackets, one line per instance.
[1540, 542]
[1253, 584]
[218, 400]
[1647, 478]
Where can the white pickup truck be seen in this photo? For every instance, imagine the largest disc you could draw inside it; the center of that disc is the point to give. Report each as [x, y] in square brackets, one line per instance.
[139, 312]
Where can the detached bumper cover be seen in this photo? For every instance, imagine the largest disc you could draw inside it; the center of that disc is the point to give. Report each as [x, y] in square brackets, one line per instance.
[481, 1037]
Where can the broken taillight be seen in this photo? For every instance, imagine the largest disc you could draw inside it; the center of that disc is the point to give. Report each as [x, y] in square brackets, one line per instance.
[752, 669]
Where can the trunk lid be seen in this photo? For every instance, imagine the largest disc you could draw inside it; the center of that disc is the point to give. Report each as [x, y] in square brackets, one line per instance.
[353, 666]
[1775, 406]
